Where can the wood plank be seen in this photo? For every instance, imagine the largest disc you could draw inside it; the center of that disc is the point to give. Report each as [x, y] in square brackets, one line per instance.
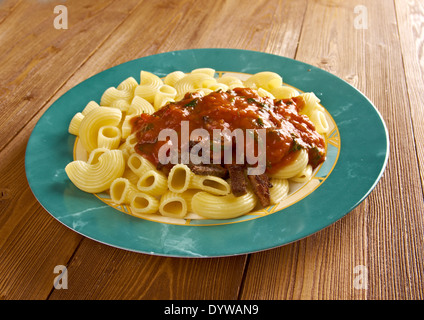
[396, 222]
[37, 58]
[101, 272]
[410, 19]
[121, 47]
[385, 231]
[6, 8]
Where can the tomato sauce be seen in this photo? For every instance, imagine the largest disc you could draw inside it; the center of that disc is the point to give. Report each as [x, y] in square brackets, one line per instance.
[287, 131]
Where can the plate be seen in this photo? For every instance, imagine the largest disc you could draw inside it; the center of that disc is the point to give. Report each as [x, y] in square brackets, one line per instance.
[359, 150]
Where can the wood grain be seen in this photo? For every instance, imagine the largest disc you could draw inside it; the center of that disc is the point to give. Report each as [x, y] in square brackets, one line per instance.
[102, 272]
[28, 257]
[31, 52]
[410, 21]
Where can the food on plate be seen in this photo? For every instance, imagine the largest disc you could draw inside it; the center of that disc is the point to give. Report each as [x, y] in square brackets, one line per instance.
[203, 143]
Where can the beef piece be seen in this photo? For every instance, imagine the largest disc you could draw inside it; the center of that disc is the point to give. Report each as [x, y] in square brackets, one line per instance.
[238, 180]
[261, 185]
[209, 170]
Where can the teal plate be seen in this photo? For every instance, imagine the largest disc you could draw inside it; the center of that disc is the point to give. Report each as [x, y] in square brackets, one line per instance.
[355, 167]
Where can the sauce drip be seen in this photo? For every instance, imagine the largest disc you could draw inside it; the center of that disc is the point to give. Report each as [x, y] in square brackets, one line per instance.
[287, 131]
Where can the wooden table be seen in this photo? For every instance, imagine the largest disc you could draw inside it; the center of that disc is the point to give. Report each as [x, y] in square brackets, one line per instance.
[377, 46]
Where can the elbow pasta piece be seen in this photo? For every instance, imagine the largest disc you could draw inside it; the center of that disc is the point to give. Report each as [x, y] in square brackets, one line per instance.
[140, 105]
[75, 123]
[173, 77]
[263, 93]
[122, 105]
[139, 165]
[217, 86]
[130, 176]
[279, 190]
[318, 119]
[90, 106]
[266, 80]
[153, 182]
[222, 207]
[191, 82]
[93, 121]
[142, 203]
[122, 191]
[297, 165]
[304, 175]
[179, 178]
[109, 137]
[211, 184]
[94, 155]
[149, 85]
[311, 103]
[128, 85]
[284, 92]
[175, 205]
[165, 94]
[208, 71]
[112, 94]
[230, 81]
[126, 127]
[97, 177]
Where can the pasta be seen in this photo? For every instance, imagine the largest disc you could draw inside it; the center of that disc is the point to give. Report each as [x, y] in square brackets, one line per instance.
[143, 203]
[109, 137]
[295, 167]
[222, 207]
[149, 86]
[139, 165]
[93, 121]
[75, 123]
[176, 205]
[111, 133]
[153, 182]
[179, 178]
[122, 190]
[112, 94]
[279, 190]
[265, 80]
[165, 94]
[99, 176]
[211, 184]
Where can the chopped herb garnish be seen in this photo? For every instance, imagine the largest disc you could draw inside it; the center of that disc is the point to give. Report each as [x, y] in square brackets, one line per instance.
[192, 103]
[260, 122]
[295, 146]
[260, 104]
